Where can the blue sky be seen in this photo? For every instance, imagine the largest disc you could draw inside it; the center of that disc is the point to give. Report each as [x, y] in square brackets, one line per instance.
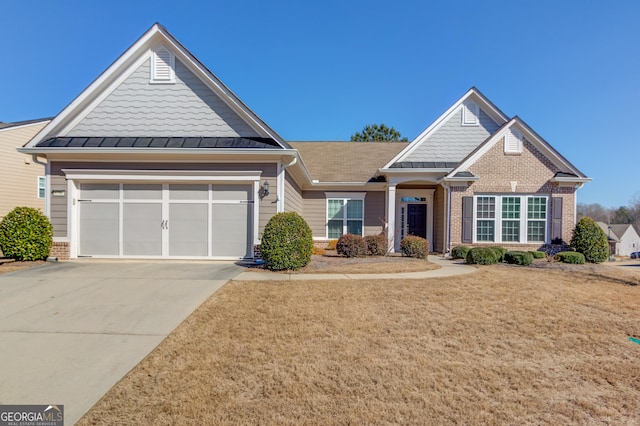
[322, 70]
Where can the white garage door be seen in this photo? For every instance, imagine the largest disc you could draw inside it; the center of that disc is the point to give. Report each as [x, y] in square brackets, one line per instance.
[166, 220]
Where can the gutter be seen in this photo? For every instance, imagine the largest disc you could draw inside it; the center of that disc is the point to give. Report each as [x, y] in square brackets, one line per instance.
[147, 151]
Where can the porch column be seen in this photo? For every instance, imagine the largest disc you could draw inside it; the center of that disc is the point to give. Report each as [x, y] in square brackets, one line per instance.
[391, 217]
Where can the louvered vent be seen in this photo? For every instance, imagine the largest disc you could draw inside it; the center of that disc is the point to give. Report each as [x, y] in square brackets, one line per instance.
[470, 114]
[513, 142]
[163, 63]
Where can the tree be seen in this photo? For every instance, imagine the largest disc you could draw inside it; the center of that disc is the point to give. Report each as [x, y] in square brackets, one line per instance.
[623, 215]
[595, 211]
[375, 132]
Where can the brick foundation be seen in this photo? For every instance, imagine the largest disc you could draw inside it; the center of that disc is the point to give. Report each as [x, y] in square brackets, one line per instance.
[60, 249]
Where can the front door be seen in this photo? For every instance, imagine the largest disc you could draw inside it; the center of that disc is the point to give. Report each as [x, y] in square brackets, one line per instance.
[417, 220]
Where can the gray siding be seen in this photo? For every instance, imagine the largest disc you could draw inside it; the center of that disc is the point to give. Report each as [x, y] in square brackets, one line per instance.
[139, 108]
[292, 195]
[453, 141]
[315, 212]
[59, 204]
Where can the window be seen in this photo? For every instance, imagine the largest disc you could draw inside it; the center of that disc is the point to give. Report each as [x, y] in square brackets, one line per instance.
[42, 186]
[162, 66]
[502, 219]
[470, 114]
[345, 216]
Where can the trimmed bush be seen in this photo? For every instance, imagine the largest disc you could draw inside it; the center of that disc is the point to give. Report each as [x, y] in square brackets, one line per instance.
[376, 245]
[459, 252]
[518, 258]
[318, 250]
[482, 256]
[538, 254]
[414, 246]
[350, 245]
[570, 257]
[332, 245]
[500, 252]
[589, 239]
[26, 234]
[286, 242]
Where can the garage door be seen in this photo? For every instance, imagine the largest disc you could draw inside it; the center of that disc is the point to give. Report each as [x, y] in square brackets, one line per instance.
[165, 220]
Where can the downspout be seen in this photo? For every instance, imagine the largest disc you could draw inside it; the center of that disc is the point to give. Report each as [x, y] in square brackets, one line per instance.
[283, 168]
[34, 158]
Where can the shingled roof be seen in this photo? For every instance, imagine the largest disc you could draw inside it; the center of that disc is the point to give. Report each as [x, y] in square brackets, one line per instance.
[346, 161]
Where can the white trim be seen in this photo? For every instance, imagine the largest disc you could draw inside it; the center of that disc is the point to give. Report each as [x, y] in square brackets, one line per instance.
[354, 195]
[162, 175]
[154, 79]
[344, 197]
[470, 114]
[44, 179]
[428, 194]
[20, 126]
[280, 177]
[256, 216]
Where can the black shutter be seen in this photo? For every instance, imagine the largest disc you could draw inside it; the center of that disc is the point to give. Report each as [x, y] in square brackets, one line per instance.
[467, 220]
[556, 218]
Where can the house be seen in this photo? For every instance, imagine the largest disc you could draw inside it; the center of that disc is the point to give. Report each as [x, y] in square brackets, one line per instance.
[623, 238]
[24, 182]
[157, 158]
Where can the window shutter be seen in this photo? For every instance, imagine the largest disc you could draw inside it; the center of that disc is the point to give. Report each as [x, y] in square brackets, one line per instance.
[556, 218]
[162, 65]
[467, 220]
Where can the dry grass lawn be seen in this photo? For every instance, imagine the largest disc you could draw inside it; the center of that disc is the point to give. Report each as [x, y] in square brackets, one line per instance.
[505, 345]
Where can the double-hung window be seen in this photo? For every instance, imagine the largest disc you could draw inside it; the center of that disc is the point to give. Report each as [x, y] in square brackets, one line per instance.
[345, 215]
[510, 218]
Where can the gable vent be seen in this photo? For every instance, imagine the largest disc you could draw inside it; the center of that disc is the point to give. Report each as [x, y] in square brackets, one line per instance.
[162, 66]
[513, 142]
[470, 114]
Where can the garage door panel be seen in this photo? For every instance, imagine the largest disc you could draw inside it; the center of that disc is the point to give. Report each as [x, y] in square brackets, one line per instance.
[230, 229]
[188, 229]
[99, 229]
[142, 191]
[231, 192]
[142, 231]
[189, 192]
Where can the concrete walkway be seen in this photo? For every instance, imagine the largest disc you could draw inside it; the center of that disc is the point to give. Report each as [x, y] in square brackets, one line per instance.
[72, 330]
[447, 268]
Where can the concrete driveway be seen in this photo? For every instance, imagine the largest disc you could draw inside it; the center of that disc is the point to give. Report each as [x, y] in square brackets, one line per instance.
[69, 331]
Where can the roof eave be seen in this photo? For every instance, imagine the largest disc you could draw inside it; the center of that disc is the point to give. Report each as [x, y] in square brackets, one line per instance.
[161, 151]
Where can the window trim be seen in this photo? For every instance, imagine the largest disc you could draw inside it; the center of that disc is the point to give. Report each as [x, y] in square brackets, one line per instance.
[42, 185]
[344, 197]
[523, 219]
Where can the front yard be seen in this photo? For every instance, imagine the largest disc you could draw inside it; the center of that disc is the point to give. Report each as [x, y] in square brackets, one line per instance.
[504, 345]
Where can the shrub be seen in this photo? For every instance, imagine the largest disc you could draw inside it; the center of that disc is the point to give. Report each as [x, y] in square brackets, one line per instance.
[500, 252]
[538, 254]
[318, 250]
[482, 256]
[350, 245]
[518, 258]
[570, 257]
[459, 252]
[376, 245]
[332, 245]
[26, 234]
[589, 239]
[286, 242]
[414, 246]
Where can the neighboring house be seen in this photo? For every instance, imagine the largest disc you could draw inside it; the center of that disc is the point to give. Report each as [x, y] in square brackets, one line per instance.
[623, 238]
[23, 180]
[157, 158]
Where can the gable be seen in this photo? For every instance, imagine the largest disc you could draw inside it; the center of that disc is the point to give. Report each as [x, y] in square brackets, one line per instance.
[454, 140]
[139, 108]
[157, 88]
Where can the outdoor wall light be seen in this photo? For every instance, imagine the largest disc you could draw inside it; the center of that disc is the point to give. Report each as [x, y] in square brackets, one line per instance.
[264, 189]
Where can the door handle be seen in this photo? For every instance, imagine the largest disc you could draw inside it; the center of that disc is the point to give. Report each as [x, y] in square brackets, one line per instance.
[164, 224]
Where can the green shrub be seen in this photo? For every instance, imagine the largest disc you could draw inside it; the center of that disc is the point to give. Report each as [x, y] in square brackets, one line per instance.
[538, 254]
[376, 245]
[459, 252]
[350, 245]
[26, 234]
[500, 252]
[518, 258]
[570, 257]
[482, 256]
[589, 239]
[414, 246]
[286, 242]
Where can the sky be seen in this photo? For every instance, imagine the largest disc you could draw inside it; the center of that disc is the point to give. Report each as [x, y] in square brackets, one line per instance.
[322, 70]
